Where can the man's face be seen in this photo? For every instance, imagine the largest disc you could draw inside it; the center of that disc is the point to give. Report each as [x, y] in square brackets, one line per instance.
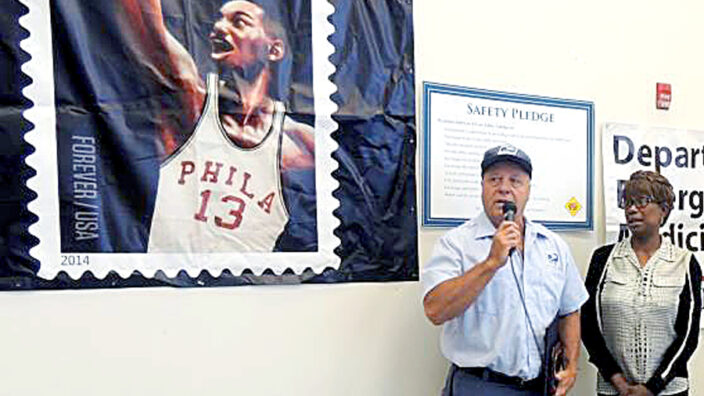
[501, 183]
[239, 37]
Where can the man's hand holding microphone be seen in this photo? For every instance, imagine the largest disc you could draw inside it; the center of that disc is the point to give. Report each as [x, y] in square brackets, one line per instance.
[508, 236]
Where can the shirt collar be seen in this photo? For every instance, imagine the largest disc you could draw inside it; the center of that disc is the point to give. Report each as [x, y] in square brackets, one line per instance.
[486, 229]
[484, 226]
[666, 251]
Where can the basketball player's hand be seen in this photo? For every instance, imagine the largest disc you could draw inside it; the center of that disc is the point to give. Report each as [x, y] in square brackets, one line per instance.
[507, 237]
[566, 378]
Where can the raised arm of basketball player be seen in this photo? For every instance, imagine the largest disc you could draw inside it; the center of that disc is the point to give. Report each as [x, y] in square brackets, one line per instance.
[169, 63]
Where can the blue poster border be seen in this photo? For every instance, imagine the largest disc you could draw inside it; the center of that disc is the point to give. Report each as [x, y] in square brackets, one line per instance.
[446, 222]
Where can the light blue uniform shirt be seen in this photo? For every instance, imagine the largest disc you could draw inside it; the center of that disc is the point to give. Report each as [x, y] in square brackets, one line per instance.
[494, 332]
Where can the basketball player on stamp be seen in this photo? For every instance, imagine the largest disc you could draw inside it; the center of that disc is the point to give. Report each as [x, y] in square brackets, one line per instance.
[220, 189]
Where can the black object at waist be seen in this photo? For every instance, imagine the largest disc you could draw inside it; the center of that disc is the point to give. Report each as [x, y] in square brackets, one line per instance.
[494, 376]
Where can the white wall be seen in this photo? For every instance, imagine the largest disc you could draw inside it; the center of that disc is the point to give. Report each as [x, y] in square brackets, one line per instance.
[362, 339]
[608, 52]
[309, 340]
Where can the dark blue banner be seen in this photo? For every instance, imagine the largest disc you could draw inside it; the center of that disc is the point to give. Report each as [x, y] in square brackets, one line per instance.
[192, 145]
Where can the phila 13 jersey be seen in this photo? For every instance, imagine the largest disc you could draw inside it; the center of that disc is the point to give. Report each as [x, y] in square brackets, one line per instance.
[215, 196]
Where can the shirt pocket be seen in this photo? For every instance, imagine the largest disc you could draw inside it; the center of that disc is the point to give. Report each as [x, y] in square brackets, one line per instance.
[666, 290]
[617, 291]
[616, 279]
[497, 294]
[552, 281]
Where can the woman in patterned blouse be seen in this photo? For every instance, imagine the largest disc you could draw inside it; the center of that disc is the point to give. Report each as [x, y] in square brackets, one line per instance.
[641, 322]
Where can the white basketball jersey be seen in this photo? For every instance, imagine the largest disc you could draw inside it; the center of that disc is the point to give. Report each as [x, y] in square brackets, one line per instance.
[215, 196]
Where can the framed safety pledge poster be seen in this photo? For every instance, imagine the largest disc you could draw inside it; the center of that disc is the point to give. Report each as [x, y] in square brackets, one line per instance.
[173, 138]
[460, 124]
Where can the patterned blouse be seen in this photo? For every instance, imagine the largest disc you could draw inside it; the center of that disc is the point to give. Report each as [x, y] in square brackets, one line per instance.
[642, 322]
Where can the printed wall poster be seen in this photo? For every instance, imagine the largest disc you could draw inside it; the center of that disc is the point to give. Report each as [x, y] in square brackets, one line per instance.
[213, 142]
[462, 123]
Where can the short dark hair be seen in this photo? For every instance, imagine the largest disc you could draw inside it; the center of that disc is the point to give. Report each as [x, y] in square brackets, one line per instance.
[645, 182]
[273, 23]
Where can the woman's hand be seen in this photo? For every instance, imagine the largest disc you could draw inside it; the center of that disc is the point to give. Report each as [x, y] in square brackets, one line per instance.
[639, 390]
[620, 383]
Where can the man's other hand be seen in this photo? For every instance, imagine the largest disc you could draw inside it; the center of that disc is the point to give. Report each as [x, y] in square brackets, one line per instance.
[566, 378]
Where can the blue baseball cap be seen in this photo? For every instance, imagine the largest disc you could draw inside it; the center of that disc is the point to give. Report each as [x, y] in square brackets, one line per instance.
[507, 153]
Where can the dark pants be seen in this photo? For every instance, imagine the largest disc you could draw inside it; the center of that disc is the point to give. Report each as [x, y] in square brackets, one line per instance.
[461, 383]
[685, 393]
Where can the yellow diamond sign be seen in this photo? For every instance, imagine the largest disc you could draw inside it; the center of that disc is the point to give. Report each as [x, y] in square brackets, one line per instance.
[573, 206]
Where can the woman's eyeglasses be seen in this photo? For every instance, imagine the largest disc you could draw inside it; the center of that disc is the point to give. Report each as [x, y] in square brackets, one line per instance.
[640, 202]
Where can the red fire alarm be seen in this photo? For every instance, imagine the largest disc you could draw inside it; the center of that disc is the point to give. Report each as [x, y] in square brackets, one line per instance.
[664, 96]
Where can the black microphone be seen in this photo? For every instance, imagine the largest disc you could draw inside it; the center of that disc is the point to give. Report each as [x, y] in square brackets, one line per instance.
[509, 210]
[510, 214]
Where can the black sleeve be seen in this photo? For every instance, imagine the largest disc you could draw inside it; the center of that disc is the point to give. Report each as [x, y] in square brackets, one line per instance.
[599, 354]
[687, 329]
